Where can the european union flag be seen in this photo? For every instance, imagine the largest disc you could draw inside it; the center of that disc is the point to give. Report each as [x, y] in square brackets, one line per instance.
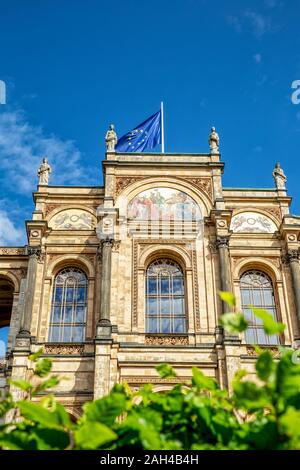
[144, 136]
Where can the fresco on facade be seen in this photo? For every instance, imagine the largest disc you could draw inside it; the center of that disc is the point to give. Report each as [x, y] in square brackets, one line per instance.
[163, 204]
[72, 219]
[252, 222]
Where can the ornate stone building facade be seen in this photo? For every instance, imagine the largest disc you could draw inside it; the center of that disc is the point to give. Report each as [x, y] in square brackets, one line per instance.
[119, 278]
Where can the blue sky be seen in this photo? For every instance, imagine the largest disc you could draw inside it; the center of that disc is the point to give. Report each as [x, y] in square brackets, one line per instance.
[72, 68]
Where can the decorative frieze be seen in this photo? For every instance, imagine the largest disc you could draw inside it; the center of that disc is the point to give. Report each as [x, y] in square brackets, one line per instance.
[12, 251]
[273, 350]
[64, 349]
[167, 340]
[155, 380]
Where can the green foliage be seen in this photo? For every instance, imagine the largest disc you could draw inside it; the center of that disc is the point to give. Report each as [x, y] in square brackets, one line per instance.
[261, 412]
[228, 297]
[165, 371]
[234, 322]
[43, 367]
[271, 326]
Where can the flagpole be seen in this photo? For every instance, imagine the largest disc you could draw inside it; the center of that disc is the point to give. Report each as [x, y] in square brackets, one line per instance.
[162, 127]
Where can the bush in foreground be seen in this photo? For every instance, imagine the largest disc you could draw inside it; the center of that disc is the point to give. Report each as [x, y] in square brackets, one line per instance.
[260, 414]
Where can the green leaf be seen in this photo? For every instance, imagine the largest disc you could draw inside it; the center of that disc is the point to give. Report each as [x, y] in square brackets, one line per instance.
[201, 381]
[250, 397]
[5, 406]
[36, 413]
[106, 409]
[228, 297]
[43, 367]
[264, 365]
[33, 357]
[234, 322]
[92, 435]
[49, 383]
[17, 440]
[22, 384]
[290, 422]
[165, 371]
[271, 326]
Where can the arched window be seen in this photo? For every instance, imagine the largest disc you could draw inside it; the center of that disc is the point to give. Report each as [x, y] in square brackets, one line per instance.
[165, 303]
[6, 303]
[257, 291]
[69, 306]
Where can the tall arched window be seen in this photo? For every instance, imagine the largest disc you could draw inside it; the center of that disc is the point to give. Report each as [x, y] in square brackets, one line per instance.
[165, 299]
[257, 291]
[69, 306]
[6, 303]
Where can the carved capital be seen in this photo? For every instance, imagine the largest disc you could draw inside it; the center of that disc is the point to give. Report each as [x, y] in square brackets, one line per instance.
[107, 242]
[222, 242]
[34, 251]
[293, 255]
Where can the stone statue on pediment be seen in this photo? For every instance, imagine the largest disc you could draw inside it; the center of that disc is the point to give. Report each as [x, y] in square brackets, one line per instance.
[214, 141]
[279, 176]
[111, 139]
[44, 171]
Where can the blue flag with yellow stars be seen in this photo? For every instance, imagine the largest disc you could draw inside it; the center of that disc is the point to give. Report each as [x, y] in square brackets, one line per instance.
[144, 136]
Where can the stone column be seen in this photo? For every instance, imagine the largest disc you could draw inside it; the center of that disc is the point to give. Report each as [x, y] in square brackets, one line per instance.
[293, 258]
[222, 245]
[104, 325]
[34, 254]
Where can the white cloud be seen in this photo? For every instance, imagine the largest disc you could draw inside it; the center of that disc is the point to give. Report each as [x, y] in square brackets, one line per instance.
[22, 146]
[259, 24]
[257, 58]
[251, 21]
[9, 233]
[271, 3]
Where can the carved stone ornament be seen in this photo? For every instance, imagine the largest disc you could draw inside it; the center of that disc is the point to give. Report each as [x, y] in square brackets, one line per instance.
[123, 181]
[293, 255]
[275, 211]
[273, 350]
[222, 242]
[36, 252]
[204, 183]
[167, 340]
[155, 380]
[64, 349]
[12, 251]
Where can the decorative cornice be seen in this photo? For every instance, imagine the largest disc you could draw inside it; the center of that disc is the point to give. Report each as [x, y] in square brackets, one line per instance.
[167, 340]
